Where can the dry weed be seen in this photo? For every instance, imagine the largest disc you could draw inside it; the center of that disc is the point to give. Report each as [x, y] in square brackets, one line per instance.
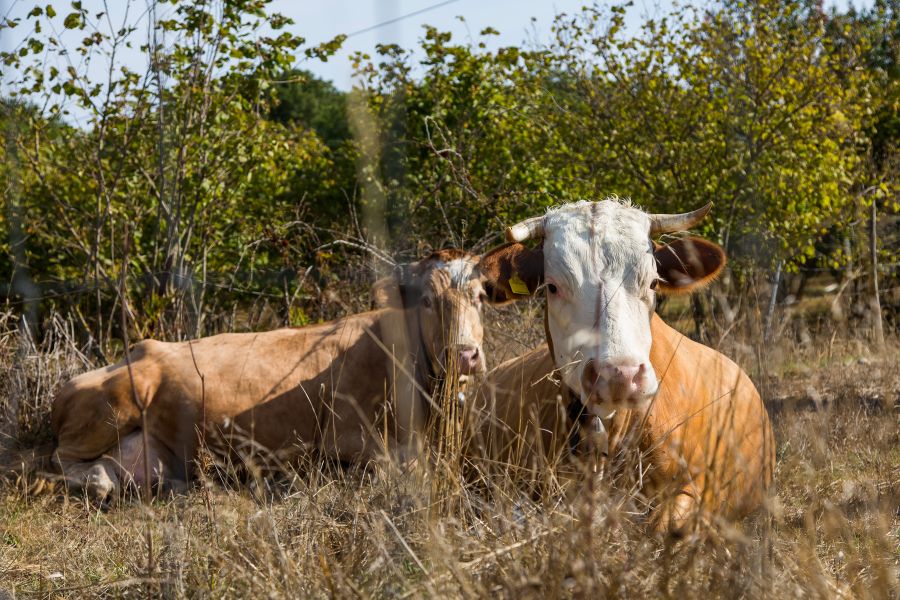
[832, 527]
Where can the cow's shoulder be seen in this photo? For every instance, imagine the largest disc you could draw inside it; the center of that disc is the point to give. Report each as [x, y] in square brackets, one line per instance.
[675, 356]
[524, 372]
[697, 382]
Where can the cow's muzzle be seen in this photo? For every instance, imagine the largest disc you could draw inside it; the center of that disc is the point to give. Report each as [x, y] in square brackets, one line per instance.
[626, 384]
[469, 359]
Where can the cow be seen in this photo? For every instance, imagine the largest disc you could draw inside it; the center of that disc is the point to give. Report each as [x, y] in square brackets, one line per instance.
[352, 389]
[614, 373]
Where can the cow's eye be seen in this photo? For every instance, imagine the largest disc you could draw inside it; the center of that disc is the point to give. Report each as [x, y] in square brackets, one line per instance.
[654, 283]
[426, 301]
[551, 287]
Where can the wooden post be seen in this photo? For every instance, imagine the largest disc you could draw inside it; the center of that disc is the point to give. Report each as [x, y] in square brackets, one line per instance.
[874, 301]
[770, 313]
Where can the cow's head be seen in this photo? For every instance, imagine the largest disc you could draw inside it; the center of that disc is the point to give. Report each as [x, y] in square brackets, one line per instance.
[601, 271]
[445, 293]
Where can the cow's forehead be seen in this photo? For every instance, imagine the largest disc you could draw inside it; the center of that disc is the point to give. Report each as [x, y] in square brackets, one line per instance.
[458, 272]
[607, 218]
[461, 270]
[587, 238]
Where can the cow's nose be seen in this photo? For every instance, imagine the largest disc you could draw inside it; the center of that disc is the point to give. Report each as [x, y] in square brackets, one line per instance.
[616, 383]
[468, 358]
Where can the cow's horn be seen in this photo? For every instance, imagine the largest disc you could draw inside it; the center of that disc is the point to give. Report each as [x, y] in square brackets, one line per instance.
[529, 228]
[663, 223]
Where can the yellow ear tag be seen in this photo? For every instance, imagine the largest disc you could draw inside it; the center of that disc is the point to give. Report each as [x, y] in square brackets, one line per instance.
[518, 286]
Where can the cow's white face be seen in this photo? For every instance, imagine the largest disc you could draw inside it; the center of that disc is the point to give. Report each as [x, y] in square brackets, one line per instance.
[599, 271]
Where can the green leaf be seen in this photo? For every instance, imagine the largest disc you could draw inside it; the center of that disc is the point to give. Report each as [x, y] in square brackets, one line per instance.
[72, 21]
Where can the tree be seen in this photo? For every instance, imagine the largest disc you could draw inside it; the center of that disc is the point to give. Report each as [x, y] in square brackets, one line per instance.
[177, 162]
[750, 105]
[464, 146]
[305, 99]
[746, 105]
[877, 30]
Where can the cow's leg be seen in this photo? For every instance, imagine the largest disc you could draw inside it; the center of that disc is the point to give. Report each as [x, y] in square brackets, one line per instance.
[676, 512]
[97, 478]
[90, 415]
[132, 469]
[121, 465]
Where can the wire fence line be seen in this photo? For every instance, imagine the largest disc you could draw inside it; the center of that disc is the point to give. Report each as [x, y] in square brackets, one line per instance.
[226, 279]
[184, 281]
[284, 275]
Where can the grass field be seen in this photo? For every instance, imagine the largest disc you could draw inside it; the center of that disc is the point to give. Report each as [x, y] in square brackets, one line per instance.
[831, 528]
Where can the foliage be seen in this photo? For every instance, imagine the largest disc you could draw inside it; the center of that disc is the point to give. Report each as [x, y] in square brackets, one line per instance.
[751, 106]
[177, 167]
[464, 149]
[225, 166]
[316, 104]
[880, 27]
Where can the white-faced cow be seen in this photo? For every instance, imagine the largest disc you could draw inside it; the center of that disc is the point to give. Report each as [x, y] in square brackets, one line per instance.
[613, 364]
[334, 388]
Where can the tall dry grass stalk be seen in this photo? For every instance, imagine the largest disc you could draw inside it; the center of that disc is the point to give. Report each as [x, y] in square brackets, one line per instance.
[445, 436]
[31, 373]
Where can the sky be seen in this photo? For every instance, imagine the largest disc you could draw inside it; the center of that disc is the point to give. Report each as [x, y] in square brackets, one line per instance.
[369, 22]
[518, 21]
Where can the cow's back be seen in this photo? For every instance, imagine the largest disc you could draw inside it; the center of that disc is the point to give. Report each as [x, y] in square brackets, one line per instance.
[255, 383]
[270, 386]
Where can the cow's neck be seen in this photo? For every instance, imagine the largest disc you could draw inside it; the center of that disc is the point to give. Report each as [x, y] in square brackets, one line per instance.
[428, 377]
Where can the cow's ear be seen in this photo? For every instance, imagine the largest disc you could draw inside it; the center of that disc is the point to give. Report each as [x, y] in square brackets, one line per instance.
[398, 290]
[511, 272]
[385, 293]
[686, 264]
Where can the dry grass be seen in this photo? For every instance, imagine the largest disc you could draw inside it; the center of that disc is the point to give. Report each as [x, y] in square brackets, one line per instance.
[832, 528]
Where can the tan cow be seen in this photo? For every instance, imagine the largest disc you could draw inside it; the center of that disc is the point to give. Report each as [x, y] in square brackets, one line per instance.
[333, 387]
[612, 366]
